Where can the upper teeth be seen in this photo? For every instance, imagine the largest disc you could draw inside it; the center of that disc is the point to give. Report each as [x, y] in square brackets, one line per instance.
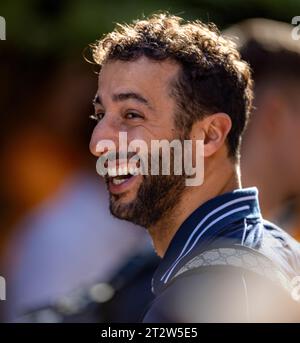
[122, 171]
[118, 181]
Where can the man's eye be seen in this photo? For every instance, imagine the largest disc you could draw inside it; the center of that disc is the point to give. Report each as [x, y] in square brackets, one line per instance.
[132, 115]
[97, 116]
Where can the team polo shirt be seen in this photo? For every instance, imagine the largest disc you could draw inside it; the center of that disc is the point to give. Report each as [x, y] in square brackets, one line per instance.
[229, 219]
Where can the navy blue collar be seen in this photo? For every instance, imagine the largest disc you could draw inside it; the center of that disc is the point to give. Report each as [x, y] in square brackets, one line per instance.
[223, 217]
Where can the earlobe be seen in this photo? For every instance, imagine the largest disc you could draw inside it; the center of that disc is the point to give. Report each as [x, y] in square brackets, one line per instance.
[216, 128]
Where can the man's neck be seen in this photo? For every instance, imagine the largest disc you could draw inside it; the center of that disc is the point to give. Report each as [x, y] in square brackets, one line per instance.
[217, 180]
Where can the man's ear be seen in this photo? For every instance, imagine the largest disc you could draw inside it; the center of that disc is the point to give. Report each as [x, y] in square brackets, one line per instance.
[213, 129]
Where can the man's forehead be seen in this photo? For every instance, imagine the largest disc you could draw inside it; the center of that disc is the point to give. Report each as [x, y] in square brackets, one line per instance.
[143, 76]
[140, 69]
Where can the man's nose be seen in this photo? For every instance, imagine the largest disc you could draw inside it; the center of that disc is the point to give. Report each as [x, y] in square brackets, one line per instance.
[104, 130]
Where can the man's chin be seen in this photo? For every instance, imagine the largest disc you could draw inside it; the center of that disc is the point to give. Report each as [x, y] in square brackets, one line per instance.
[147, 204]
[121, 206]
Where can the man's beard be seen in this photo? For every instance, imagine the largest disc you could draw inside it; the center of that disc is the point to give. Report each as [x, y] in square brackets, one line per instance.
[156, 197]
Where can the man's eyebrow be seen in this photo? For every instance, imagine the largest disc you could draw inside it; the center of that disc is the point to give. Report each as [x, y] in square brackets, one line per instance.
[131, 95]
[124, 97]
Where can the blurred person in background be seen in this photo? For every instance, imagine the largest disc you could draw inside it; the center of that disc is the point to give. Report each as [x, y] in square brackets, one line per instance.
[271, 145]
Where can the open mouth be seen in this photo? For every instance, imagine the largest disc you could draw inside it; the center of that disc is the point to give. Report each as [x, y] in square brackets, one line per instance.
[121, 177]
[118, 180]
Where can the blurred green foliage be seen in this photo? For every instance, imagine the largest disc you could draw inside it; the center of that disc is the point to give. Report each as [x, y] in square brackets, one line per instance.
[64, 27]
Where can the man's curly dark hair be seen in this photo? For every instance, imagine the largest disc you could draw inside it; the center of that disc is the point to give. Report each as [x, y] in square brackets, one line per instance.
[213, 77]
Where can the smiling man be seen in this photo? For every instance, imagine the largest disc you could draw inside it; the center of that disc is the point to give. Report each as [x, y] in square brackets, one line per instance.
[165, 79]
